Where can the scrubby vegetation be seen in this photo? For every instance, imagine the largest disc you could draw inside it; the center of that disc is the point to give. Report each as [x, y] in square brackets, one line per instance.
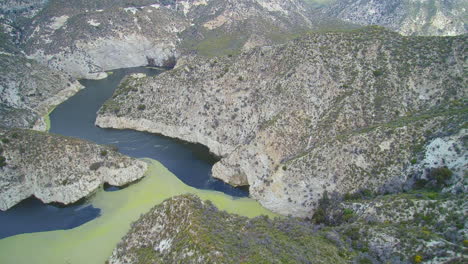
[423, 224]
[192, 231]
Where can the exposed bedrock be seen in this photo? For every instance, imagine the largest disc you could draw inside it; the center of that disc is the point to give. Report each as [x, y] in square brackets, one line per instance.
[58, 169]
[335, 112]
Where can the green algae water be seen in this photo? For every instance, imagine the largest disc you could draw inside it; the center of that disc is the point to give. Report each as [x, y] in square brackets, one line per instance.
[94, 241]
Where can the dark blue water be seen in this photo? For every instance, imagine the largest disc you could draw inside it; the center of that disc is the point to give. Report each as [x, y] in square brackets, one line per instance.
[31, 215]
[191, 163]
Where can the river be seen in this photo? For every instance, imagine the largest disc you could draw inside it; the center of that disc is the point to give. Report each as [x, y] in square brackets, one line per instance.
[191, 163]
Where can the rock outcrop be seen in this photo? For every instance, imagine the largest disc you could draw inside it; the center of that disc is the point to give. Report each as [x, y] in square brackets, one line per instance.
[415, 17]
[184, 229]
[58, 169]
[334, 112]
[86, 38]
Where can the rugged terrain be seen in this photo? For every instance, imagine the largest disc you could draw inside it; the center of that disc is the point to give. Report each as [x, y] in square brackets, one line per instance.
[333, 112]
[28, 90]
[58, 169]
[408, 17]
[406, 228]
[86, 38]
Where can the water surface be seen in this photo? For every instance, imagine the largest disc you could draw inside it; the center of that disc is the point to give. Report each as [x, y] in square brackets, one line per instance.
[191, 163]
[93, 242]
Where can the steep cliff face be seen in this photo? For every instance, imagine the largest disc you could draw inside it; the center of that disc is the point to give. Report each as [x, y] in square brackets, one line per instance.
[184, 229]
[333, 112]
[58, 169]
[408, 17]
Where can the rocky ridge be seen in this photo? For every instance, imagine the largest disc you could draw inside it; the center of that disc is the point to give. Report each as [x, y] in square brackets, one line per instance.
[333, 112]
[58, 169]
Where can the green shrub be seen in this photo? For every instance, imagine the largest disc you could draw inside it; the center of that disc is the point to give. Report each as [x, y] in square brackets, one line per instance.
[378, 73]
[2, 161]
[441, 175]
[15, 135]
[347, 214]
[319, 216]
[417, 259]
[420, 184]
[95, 166]
[5, 140]
[414, 161]
[349, 196]
[141, 107]
[104, 153]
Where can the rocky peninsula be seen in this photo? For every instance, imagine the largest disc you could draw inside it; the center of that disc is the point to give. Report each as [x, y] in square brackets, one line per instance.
[58, 169]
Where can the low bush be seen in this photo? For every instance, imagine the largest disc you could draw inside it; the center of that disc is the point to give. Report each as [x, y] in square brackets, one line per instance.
[441, 175]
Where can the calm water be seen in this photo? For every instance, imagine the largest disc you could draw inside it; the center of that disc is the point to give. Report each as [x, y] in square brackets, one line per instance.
[191, 163]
